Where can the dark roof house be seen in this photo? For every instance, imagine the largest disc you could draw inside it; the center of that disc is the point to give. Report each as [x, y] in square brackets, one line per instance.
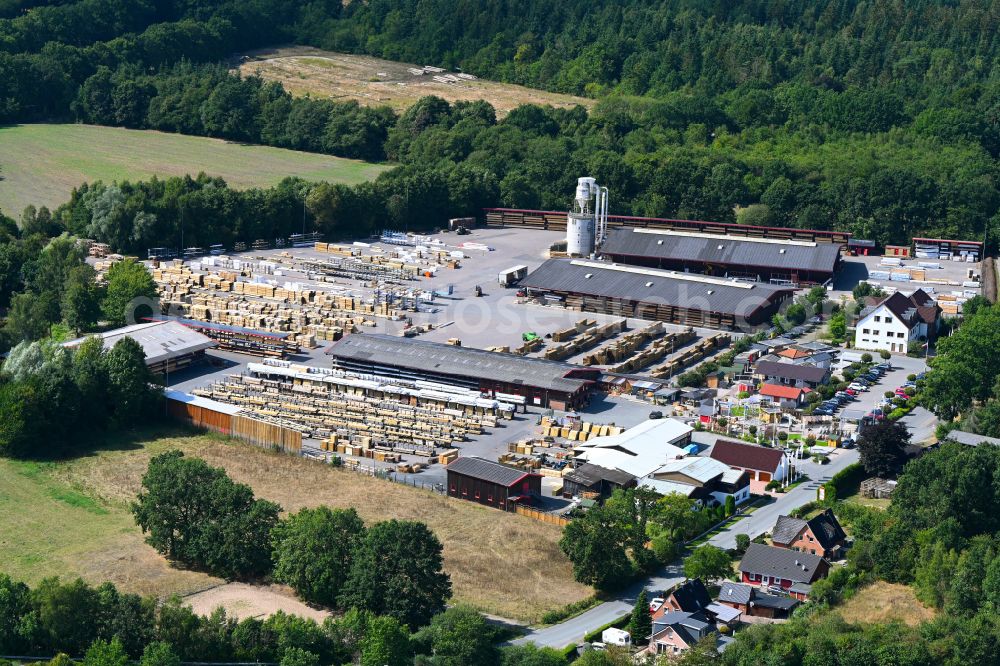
[788, 373]
[690, 596]
[912, 310]
[747, 456]
[771, 566]
[822, 534]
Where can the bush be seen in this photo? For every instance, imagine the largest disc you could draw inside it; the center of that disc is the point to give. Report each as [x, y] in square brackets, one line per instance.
[911, 377]
[772, 485]
[783, 436]
[889, 394]
[866, 358]
[885, 355]
[569, 610]
[742, 543]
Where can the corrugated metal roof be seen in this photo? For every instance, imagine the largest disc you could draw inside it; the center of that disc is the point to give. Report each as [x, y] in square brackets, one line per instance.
[198, 401]
[722, 250]
[486, 470]
[653, 286]
[971, 439]
[160, 340]
[446, 359]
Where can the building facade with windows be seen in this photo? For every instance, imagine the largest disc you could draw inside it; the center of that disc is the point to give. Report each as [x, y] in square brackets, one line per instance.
[893, 323]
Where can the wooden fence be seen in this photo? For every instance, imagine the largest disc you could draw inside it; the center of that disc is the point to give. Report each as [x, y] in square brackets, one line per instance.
[549, 518]
[244, 428]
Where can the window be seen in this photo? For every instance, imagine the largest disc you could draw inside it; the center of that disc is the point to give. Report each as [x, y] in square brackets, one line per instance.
[453, 487]
[489, 498]
[465, 491]
[477, 493]
[878, 318]
[865, 331]
[888, 320]
[899, 335]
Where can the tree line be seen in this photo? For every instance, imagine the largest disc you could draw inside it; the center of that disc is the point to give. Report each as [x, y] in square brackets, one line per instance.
[103, 626]
[864, 117]
[385, 579]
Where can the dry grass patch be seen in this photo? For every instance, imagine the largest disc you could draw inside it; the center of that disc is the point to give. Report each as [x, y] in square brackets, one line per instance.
[501, 563]
[241, 600]
[373, 81]
[883, 602]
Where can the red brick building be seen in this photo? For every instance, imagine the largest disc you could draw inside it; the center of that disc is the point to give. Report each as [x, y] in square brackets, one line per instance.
[821, 536]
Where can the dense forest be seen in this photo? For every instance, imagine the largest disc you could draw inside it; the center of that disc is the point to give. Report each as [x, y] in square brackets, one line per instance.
[880, 118]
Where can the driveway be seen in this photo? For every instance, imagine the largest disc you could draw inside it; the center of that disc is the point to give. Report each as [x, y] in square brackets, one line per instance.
[763, 519]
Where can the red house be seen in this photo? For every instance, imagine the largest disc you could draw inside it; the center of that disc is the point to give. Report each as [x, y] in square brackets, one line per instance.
[791, 571]
[821, 536]
[486, 482]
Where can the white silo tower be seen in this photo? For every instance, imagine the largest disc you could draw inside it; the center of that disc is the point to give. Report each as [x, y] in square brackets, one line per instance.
[586, 224]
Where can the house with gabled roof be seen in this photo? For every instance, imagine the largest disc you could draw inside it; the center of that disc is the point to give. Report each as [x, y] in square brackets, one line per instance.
[763, 464]
[821, 535]
[784, 396]
[897, 320]
[770, 567]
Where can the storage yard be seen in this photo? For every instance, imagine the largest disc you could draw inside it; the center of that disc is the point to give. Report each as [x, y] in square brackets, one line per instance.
[405, 352]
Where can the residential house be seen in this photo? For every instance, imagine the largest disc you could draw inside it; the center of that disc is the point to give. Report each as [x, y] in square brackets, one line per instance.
[703, 479]
[486, 482]
[676, 632]
[822, 535]
[762, 464]
[750, 601]
[894, 322]
[770, 567]
[791, 397]
[791, 374]
[691, 596]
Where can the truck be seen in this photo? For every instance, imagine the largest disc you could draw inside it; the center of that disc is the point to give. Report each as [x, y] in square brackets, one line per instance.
[512, 275]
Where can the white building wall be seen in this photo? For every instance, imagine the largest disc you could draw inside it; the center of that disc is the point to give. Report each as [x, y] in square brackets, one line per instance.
[881, 329]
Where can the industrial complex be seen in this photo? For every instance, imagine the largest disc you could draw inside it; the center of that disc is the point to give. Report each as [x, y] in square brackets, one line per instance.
[532, 363]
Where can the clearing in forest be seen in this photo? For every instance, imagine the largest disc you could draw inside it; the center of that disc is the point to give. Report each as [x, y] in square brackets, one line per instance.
[375, 82]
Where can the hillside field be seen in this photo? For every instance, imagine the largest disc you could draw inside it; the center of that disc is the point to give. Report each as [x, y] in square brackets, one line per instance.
[373, 81]
[71, 518]
[41, 164]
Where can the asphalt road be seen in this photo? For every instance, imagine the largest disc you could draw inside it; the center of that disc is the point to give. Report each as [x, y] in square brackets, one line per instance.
[760, 521]
[763, 519]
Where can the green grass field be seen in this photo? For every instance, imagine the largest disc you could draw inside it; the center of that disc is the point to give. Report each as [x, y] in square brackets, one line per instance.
[41, 164]
[70, 518]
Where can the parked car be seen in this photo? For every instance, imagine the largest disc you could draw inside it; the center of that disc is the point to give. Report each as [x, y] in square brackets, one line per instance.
[885, 366]
[852, 392]
[857, 386]
[901, 392]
